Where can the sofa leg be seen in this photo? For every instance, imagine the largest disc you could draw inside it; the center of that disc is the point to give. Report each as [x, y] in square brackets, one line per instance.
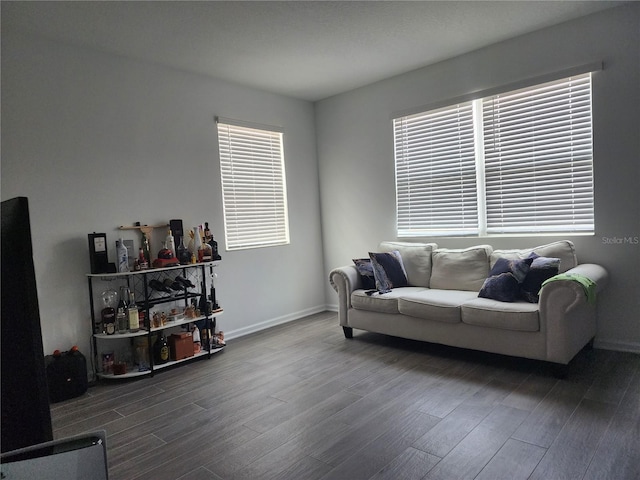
[348, 332]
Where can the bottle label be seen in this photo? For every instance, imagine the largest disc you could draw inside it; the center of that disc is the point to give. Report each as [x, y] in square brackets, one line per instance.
[164, 353]
[134, 320]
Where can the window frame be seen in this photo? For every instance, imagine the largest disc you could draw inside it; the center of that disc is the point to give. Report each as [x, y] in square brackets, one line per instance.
[253, 182]
[484, 226]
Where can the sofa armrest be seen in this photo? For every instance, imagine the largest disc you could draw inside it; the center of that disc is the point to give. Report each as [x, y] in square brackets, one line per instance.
[344, 280]
[594, 272]
[567, 317]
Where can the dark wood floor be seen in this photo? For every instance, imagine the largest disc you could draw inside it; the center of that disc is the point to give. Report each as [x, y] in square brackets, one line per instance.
[299, 401]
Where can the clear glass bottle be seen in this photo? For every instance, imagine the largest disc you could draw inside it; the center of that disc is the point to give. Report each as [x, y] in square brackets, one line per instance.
[143, 263]
[121, 321]
[170, 244]
[108, 312]
[184, 257]
[124, 298]
[197, 243]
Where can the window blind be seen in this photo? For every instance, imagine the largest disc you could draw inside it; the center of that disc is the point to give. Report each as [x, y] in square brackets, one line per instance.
[436, 173]
[510, 163]
[253, 186]
[538, 158]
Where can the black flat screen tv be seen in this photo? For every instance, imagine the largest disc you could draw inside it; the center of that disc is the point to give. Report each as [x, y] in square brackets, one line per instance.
[26, 418]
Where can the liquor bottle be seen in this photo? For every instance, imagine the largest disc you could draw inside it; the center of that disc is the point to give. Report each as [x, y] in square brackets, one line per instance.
[206, 252]
[214, 249]
[121, 321]
[132, 314]
[124, 298]
[170, 244]
[108, 312]
[110, 325]
[123, 256]
[197, 243]
[146, 248]
[143, 263]
[184, 257]
[161, 349]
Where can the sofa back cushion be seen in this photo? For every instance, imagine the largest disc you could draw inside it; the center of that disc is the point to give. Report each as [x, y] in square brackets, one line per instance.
[416, 258]
[564, 250]
[460, 269]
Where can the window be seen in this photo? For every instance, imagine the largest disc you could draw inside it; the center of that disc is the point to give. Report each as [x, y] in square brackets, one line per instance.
[253, 185]
[517, 162]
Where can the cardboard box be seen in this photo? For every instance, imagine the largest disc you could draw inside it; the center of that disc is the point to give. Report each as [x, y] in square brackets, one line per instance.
[181, 345]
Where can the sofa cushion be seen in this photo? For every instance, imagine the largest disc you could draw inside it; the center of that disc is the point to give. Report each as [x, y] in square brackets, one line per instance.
[542, 269]
[416, 258]
[503, 287]
[483, 312]
[365, 269]
[460, 269]
[564, 250]
[388, 270]
[387, 303]
[437, 305]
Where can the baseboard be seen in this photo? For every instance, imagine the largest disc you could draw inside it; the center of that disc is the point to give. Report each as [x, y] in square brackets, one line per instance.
[256, 327]
[617, 345]
[331, 308]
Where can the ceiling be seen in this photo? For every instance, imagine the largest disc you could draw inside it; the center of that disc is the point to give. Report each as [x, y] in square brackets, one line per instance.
[304, 49]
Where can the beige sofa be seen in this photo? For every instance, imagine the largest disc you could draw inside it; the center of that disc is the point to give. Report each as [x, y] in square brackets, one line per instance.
[441, 303]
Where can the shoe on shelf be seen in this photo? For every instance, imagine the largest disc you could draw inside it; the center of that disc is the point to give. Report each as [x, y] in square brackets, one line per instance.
[185, 282]
[173, 285]
[159, 286]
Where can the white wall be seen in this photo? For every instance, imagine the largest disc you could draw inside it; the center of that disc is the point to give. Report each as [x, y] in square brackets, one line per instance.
[356, 158]
[96, 141]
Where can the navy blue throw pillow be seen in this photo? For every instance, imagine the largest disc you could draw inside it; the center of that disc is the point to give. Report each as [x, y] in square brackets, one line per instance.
[542, 268]
[365, 269]
[388, 271]
[519, 268]
[503, 287]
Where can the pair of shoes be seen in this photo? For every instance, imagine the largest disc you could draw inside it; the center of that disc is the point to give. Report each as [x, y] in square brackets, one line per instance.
[186, 283]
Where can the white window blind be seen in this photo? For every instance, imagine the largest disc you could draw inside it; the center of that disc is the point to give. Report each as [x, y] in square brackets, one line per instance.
[538, 158]
[518, 162]
[435, 172]
[253, 185]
